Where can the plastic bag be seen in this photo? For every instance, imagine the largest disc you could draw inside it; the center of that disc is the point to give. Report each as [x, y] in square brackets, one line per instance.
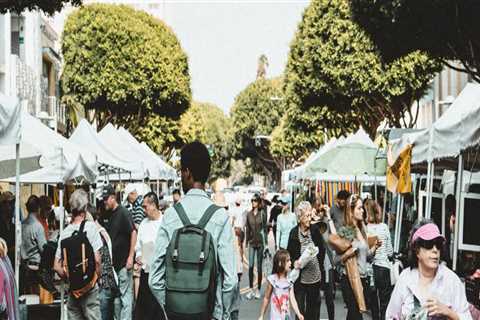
[267, 263]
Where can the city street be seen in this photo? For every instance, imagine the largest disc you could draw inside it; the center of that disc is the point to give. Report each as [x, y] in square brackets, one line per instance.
[168, 141]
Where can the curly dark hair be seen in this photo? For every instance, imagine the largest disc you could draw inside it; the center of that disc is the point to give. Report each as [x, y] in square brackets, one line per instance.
[414, 247]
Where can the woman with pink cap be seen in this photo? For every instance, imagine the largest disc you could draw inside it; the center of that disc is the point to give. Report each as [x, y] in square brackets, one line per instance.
[428, 287]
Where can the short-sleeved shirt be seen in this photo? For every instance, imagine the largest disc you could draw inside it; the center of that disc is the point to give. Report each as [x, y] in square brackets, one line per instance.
[120, 230]
[280, 299]
[93, 236]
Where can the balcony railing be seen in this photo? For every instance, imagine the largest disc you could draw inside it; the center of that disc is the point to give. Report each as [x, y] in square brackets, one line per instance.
[23, 82]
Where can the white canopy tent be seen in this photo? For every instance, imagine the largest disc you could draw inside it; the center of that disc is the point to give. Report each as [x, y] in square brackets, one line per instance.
[158, 169]
[170, 172]
[355, 156]
[455, 131]
[56, 155]
[85, 136]
[454, 134]
[59, 160]
[110, 137]
[300, 171]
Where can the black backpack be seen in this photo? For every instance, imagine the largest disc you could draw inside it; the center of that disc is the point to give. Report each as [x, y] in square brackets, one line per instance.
[79, 261]
[191, 269]
[47, 259]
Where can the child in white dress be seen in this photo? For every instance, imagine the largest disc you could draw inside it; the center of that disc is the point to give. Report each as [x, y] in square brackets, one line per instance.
[279, 292]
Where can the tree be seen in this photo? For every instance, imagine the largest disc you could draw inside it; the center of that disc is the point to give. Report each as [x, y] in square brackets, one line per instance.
[445, 29]
[335, 79]
[124, 64]
[300, 132]
[208, 124]
[49, 7]
[162, 134]
[254, 117]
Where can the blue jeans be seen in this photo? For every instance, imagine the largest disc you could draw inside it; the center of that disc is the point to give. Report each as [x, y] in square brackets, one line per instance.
[106, 303]
[124, 303]
[252, 253]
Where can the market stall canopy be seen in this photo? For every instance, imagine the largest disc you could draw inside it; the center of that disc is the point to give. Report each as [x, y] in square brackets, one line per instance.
[86, 136]
[456, 131]
[51, 150]
[158, 169]
[170, 172]
[355, 155]
[109, 136]
[300, 171]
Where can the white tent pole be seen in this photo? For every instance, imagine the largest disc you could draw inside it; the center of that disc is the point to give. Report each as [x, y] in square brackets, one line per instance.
[400, 219]
[427, 185]
[62, 221]
[457, 210]
[397, 225]
[429, 195]
[158, 187]
[385, 195]
[18, 225]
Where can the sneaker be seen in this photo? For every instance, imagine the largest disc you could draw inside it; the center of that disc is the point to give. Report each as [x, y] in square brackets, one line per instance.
[257, 294]
[249, 295]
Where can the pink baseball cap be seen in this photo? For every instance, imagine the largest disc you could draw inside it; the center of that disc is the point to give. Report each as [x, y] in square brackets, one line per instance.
[427, 232]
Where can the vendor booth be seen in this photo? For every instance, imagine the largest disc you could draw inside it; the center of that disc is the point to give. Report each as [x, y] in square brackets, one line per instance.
[452, 142]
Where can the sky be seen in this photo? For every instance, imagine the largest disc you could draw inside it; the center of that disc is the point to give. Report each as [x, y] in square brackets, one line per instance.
[223, 40]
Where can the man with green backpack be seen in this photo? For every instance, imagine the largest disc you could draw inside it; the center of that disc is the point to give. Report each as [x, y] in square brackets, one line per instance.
[192, 273]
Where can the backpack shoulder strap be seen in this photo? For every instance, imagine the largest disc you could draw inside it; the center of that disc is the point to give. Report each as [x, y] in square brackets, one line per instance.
[182, 214]
[207, 216]
[82, 226]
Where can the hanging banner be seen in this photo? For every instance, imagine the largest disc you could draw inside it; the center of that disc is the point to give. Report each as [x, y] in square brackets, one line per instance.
[398, 171]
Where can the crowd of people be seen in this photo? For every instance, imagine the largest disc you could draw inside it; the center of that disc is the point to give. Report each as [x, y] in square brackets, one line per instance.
[146, 260]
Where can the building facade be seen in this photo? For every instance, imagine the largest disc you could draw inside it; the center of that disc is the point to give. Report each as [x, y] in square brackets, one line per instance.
[445, 87]
[30, 65]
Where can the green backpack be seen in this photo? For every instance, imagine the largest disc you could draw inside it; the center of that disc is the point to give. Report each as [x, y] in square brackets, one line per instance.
[191, 269]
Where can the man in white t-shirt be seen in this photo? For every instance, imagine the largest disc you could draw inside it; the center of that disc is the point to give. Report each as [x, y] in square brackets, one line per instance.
[88, 305]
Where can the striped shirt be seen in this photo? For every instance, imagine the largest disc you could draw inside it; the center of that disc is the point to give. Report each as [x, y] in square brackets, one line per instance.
[136, 209]
[8, 293]
[311, 272]
[385, 250]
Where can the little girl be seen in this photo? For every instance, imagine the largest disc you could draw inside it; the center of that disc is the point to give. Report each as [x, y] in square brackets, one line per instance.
[279, 292]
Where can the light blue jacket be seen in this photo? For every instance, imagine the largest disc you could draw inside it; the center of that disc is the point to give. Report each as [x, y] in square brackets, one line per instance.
[195, 204]
[285, 223]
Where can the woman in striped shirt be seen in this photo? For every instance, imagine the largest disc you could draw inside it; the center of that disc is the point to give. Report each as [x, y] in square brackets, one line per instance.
[381, 263]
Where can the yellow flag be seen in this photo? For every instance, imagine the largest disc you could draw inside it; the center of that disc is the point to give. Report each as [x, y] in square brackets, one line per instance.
[398, 171]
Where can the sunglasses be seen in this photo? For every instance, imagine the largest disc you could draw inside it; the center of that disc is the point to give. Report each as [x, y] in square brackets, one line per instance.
[428, 244]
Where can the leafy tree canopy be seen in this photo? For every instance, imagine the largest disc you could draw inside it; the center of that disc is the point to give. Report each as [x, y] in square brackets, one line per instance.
[49, 7]
[255, 114]
[124, 64]
[445, 29]
[162, 134]
[208, 124]
[335, 79]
